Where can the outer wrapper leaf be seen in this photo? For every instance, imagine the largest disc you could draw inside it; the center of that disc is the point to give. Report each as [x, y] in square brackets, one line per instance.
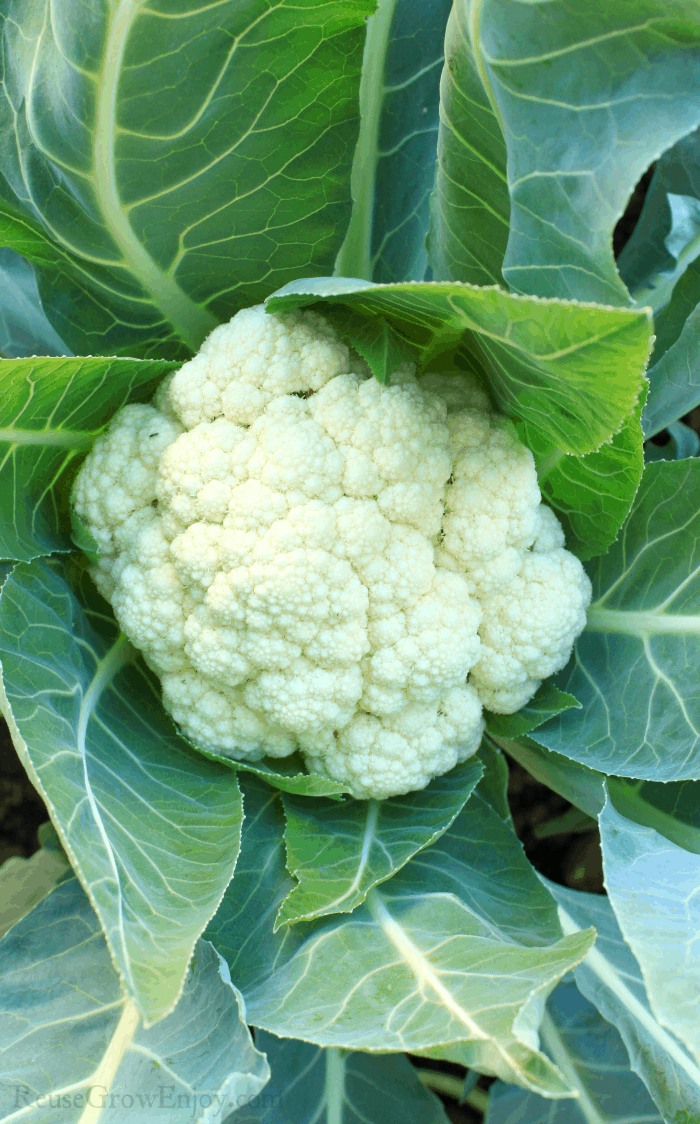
[610, 978]
[442, 954]
[654, 888]
[50, 413]
[151, 827]
[169, 196]
[634, 668]
[71, 1043]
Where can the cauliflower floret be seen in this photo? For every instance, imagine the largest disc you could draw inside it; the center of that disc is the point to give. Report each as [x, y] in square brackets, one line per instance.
[312, 561]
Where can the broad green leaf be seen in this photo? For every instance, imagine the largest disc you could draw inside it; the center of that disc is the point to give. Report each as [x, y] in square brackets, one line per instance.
[73, 1043]
[610, 978]
[470, 206]
[24, 329]
[592, 1055]
[493, 786]
[581, 786]
[338, 851]
[547, 701]
[310, 1085]
[572, 373]
[50, 413]
[288, 774]
[654, 888]
[24, 882]
[634, 667]
[394, 165]
[592, 495]
[588, 95]
[175, 194]
[673, 810]
[460, 947]
[151, 827]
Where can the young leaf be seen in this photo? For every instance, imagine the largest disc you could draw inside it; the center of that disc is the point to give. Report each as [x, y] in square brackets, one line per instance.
[50, 413]
[339, 851]
[284, 773]
[24, 329]
[176, 194]
[547, 701]
[72, 1042]
[592, 1055]
[314, 1086]
[610, 978]
[151, 827]
[493, 786]
[460, 946]
[654, 889]
[393, 170]
[470, 206]
[587, 364]
[592, 494]
[633, 669]
[587, 97]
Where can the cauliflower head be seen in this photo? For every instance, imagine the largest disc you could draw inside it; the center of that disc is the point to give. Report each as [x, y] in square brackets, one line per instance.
[309, 560]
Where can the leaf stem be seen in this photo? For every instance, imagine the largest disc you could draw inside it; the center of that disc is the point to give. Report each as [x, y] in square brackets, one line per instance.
[355, 255]
[335, 1085]
[106, 1071]
[453, 1087]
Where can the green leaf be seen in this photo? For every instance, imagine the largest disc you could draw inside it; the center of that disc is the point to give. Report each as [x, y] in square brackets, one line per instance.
[339, 851]
[581, 786]
[24, 329]
[547, 701]
[50, 413]
[333, 1086]
[393, 169]
[460, 946]
[610, 978]
[288, 774]
[674, 387]
[572, 372]
[71, 1040]
[654, 889]
[470, 207]
[673, 809]
[592, 495]
[634, 667]
[375, 340]
[587, 97]
[593, 1056]
[175, 194]
[493, 786]
[151, 827]
[24, 882]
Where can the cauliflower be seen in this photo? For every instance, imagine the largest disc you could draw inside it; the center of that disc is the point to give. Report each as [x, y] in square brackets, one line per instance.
[309, 560]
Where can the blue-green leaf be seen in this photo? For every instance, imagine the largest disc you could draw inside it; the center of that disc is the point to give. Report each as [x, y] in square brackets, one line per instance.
[74, 1048]
[170, 194]
[593, 1056]
[610, 978]
[457, 950]
[394, 165]
[24, 329]
[310, 1085]
[50, 413]
[634, 667]
[151, 827]
[654, 888]
[338, 851]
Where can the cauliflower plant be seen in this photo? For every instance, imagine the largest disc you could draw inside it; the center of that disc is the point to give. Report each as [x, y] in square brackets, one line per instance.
[310, 560]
